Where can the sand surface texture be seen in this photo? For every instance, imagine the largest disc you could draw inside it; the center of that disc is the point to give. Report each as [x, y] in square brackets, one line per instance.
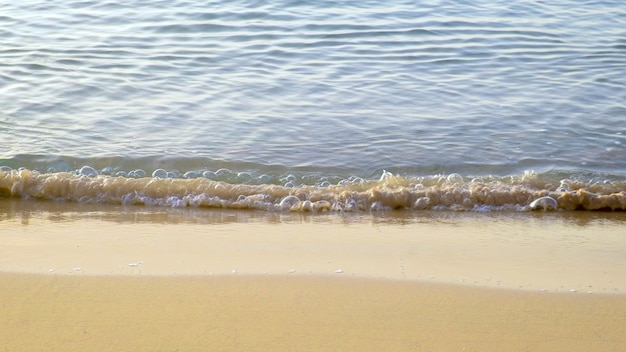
[144, 279]
[62, 313]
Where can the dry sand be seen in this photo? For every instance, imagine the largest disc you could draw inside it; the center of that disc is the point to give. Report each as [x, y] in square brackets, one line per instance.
[142, 279]
[241, 313]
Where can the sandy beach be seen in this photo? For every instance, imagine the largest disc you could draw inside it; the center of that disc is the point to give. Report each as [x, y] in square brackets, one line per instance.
[101, 278]
[252, 313]
[312, 176]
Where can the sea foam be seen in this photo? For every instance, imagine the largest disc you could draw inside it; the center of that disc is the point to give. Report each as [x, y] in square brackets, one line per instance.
[390, 192]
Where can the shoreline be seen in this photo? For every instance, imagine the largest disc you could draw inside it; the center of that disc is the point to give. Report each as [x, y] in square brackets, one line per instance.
[535, 252]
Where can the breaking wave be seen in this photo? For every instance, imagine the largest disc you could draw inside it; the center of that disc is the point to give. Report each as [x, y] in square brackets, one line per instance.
[239, 190]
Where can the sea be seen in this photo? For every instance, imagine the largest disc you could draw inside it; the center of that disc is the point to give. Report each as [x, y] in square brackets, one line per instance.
[315, 106]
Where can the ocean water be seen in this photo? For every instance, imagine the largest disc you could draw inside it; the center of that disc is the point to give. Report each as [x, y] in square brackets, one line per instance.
[315, 105]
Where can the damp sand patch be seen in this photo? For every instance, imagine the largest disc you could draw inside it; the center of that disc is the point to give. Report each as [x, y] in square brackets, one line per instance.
[555, 252]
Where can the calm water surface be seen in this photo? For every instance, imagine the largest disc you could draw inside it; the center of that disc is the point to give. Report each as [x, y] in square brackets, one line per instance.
[335, 89]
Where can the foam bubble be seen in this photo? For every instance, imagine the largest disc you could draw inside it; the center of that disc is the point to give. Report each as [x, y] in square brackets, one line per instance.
[288, 202]
[222, 172]
[421, 203]
[159, 173]
[306, 205]
[454, 178]
[544, 203]
[323, 184]
[107, 171]
[88, 171]
[209, 174]
[138, 173]
[191, 174]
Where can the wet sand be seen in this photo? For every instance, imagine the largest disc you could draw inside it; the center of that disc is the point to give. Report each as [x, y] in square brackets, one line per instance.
[144, 279]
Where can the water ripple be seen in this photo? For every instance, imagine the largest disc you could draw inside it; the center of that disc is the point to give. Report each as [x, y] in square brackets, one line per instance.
[300, 82]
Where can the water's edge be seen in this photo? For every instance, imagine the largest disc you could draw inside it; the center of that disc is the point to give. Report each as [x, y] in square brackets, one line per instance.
[312, 192]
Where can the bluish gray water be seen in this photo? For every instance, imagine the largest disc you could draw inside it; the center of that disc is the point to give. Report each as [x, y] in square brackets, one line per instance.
[327, 88]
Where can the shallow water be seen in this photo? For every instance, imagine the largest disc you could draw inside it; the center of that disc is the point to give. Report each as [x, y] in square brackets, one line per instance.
[318, 93]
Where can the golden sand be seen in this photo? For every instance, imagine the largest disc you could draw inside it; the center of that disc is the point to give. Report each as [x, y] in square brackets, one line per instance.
[241, 313]
[95, 278]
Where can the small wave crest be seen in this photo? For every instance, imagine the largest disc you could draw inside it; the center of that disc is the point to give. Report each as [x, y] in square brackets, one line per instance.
[390, 192]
